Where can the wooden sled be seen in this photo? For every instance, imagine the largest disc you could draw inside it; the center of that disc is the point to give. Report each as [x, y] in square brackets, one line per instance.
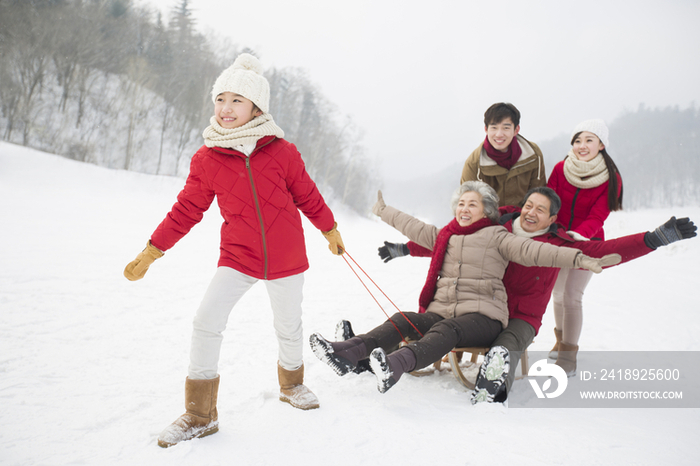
[457, 368]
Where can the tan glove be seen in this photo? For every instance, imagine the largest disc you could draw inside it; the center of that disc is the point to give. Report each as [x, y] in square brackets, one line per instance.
[379, 206]
[596, 265]
[138, 267]
[336, 242]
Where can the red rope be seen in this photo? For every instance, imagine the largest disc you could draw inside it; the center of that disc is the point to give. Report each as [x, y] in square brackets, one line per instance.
[375, 299]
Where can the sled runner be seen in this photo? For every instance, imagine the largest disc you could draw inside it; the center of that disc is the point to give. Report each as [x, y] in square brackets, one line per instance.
[471, 367]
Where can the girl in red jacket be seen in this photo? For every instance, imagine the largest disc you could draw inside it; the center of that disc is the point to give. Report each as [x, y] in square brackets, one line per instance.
[260, 184]
[590, 187]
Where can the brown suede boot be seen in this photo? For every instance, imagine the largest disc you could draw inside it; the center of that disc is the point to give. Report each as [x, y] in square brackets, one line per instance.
[553, 353]
[566, 358]
[293, 390]
[200, 419]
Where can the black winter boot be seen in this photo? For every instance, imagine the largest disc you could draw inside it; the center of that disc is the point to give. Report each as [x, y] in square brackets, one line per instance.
[389, 369]
[341, 356]
[490, 383]
[343, 331]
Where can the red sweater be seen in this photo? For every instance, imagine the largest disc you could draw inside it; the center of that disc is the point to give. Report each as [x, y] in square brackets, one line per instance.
[259, 197]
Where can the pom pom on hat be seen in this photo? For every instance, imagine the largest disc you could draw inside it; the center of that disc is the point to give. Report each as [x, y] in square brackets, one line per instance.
[595, 126]
[245, 77]
[246, 61]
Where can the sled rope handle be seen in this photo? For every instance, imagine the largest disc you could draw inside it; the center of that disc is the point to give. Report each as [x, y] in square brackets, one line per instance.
[375, 299]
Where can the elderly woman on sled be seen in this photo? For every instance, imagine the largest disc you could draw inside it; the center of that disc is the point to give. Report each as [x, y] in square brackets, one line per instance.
[463, 302]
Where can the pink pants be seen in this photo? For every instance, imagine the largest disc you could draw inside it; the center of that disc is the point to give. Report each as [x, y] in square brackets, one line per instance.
[568, 302]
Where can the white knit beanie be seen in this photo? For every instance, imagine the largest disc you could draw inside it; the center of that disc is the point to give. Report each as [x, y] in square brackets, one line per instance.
[597, 127]
[245, 77]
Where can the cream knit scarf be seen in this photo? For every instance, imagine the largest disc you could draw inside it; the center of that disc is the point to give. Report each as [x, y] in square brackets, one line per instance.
[258, 127]
[585, 174]
[518, 229]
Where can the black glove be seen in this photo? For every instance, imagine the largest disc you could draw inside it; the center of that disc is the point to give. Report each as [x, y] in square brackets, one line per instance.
[391, 250]
[670, 232]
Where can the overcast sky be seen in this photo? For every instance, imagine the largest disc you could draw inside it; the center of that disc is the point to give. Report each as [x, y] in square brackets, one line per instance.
[417, 76]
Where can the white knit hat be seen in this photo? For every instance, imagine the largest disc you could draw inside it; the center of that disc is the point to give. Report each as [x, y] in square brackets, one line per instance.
[597, 127]
[245, 78]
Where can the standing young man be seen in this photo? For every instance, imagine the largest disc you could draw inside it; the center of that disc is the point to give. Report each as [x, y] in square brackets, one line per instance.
[506, 161]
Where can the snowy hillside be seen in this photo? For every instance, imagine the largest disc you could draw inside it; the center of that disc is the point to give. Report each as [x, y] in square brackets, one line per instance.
[92, 366]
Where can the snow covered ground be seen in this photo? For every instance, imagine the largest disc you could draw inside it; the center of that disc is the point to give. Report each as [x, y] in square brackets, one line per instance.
[92, 366]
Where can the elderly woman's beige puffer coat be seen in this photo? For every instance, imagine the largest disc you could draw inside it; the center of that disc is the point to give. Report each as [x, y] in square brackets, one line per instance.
[472, 272]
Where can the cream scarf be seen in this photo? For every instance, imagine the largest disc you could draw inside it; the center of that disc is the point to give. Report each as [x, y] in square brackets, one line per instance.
[585, 175]
[259, 127]
[518, 229]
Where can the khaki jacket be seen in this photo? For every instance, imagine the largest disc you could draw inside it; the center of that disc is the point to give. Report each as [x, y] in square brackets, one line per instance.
[472, 272]
[510, 185]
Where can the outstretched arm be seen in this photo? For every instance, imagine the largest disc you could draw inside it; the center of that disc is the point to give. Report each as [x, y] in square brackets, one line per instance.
[393, 250]
[416, 230]
[530, 253]
[640, 244]
[670, 232]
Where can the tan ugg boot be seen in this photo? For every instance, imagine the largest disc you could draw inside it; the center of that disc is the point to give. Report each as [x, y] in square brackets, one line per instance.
[200, 419]
[553, 354]
[566, 358]
[293, 390]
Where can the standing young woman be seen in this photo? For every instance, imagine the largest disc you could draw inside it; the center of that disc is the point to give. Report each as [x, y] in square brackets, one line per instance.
[590, 187]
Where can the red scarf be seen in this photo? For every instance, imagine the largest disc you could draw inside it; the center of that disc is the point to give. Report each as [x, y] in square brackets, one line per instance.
[504, 159]
[439, 250]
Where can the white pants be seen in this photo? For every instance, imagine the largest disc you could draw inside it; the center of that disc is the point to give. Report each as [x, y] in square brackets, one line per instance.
[567, 296]
[225, 290]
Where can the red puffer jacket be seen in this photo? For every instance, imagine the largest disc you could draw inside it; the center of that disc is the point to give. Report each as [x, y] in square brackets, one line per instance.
[582, 210]
[259, 197]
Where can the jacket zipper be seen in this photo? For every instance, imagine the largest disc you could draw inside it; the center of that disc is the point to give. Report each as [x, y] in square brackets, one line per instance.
[257, 206]
[255, 198]
[257, 209]
[573, 204]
